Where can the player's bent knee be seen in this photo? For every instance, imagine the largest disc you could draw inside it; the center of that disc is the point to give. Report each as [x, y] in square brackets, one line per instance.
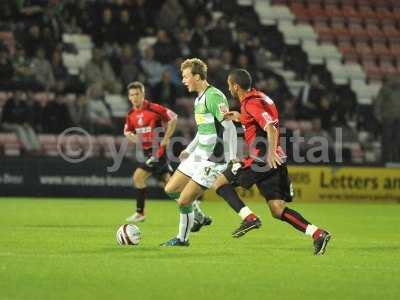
[183, 202]
[276, 207]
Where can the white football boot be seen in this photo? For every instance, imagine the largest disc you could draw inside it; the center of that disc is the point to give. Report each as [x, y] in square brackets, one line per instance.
[136, 218]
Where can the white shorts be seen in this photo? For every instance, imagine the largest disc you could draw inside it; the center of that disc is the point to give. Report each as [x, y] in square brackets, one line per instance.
[200, 170]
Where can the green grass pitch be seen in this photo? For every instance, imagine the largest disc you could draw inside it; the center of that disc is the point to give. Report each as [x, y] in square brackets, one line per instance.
[66, 249]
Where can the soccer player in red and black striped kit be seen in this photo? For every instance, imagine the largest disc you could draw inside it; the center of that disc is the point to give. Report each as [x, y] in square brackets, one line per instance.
[143, 122]
[265, 166]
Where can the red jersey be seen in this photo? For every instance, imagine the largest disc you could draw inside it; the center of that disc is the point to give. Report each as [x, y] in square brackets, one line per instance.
[145, 120]
[256, 111]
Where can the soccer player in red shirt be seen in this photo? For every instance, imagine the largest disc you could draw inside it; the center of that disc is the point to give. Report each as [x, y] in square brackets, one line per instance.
[143, 123]
[265, 165]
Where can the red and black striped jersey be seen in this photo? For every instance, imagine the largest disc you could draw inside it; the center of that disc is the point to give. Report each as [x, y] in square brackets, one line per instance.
[146, 120]
[257, 111]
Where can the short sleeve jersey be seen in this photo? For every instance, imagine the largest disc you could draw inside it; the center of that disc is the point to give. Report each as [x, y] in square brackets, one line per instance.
[209, 108]
[146, 120]
[257, 111]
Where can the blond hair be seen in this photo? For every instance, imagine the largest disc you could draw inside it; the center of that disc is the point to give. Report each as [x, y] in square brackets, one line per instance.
[197, 66]
[136, 85]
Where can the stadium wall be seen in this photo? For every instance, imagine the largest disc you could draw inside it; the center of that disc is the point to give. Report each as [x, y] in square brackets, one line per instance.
[54, 177]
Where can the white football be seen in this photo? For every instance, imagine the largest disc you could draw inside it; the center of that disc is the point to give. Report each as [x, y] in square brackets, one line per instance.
[128, 234]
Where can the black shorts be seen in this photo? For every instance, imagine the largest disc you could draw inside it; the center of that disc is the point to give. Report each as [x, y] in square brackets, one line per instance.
[158, 168]
[272, 183]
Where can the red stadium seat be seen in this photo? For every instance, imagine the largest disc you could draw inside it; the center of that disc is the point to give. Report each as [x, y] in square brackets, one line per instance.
[388, 69]
[375, 33]
[342, 34]
[325, 33]
[385, 14]
[391, 32]
[300, 12]
[358, 33]
[49, 144]
[380, 49]
[334, 13]
[348, 51]
[364, 51]
[10, 144]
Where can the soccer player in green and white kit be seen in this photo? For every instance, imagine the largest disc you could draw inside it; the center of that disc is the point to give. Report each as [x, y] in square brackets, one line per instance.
[207, 155]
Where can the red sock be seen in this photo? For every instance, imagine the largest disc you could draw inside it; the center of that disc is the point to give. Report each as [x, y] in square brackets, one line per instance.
[317, 234]
[251, 217]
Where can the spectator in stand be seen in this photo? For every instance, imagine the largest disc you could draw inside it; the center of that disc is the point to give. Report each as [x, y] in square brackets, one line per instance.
[325, 112]
[32, 40]
[223, 71]
[387, 110]
[318, 144]
[165, 51]
[243, 45]
[165, 92]
[169, 15]
[99, 71]
[309, 98]
[55, 116]
[99, 112]
[14, 118]
[59, 71]
[143, 17]
[243, 62]
[127, 66]
[42, 69]
[199, 40]
[6, 69]
[84, 13]
[35, 111]
[127, 32]
[106, 31]
[151, 67]
[79, 112]
[221, 34]
[183, 43]
[23, 69]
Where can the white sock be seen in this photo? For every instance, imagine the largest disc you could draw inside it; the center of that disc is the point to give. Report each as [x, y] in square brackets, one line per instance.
[196, 206]
[244, 212]
[185, 224]
[311, 229]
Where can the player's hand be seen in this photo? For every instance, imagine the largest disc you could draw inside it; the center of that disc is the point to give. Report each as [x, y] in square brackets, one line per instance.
[129, 134]
[232, 116]
[184, 154]
[274, 160]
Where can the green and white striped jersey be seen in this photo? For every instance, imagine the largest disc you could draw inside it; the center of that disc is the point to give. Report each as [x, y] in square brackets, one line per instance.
[209, 108]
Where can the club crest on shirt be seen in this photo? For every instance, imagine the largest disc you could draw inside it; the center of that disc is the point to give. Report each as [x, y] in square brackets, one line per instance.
[140, 120]
[267, 117]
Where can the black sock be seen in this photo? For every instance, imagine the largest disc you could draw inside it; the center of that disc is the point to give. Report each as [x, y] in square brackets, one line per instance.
[295, 219]
[141, 197]
[231, 197]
